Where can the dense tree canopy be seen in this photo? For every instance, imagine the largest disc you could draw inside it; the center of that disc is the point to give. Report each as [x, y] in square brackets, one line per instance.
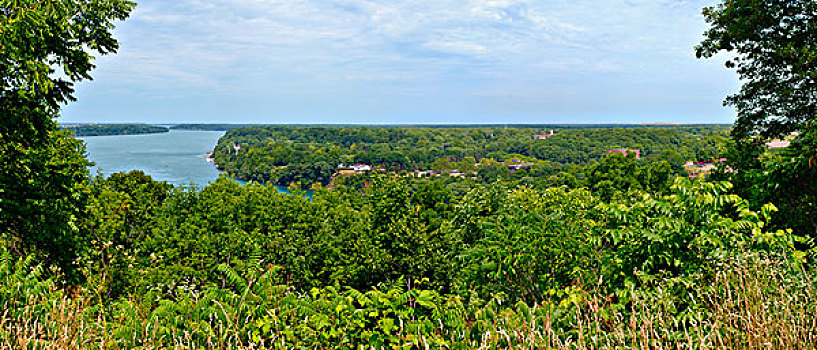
[351, 265]
[36, 38]
[114, 129]
[283, 155]
[43, 172]
[501, 255]
[773, 46]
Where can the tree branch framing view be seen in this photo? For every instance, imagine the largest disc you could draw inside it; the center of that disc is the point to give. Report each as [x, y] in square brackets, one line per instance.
[488, 235]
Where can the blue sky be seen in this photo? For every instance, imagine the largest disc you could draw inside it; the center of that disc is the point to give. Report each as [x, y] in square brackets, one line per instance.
[412, 61]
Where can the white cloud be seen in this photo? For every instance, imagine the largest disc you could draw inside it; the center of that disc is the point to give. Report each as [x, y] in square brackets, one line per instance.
[311, 47]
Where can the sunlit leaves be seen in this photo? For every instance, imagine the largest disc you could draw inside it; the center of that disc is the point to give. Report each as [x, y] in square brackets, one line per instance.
[771, 45]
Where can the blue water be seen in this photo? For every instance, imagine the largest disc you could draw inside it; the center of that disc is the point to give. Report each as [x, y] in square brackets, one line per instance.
[178, 157]
[281, 189]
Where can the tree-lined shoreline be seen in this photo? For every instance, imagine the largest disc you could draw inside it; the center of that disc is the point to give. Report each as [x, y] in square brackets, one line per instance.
[90, 130]
[573, 239]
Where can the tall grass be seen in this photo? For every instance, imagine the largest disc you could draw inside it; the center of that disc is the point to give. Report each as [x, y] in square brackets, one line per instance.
[756, 302]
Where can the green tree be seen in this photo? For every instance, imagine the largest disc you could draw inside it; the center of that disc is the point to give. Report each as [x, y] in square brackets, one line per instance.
[656, 176]
[490, 170]
[41, 179]
[38, 36]
[43, 197]
[468, 165]
[616, 174]
[613, 174]
[789, 181]
[772, 46]
[440, 165]
[536, 244]
[122, 208]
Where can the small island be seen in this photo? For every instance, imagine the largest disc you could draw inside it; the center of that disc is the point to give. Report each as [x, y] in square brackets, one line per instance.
[84, 130]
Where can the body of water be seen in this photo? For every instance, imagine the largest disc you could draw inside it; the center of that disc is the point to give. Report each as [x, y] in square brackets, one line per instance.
[178, 157]
[281, 189]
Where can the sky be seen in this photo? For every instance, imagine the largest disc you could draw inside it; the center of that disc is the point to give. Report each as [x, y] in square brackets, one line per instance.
[408, 62]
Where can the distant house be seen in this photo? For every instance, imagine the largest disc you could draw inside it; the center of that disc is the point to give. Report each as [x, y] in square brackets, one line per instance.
[625, 151]
[420, 173]
[543, 136]
[360, 168]
[708, 162]
[702, 169]
[778, 144]
[517, 164]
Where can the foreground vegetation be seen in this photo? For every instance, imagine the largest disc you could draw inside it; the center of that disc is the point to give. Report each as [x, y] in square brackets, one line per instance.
[753, 303]
[407, 264]
[623, 255]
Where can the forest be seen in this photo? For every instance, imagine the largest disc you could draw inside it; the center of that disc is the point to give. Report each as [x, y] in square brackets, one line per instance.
[305, 156]
[84, 130]
[578, 249]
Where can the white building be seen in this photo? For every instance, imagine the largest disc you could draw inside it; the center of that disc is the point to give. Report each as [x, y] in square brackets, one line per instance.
[360, 168]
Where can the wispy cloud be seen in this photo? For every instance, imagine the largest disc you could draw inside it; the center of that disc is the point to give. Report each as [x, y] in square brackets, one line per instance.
[449, 52]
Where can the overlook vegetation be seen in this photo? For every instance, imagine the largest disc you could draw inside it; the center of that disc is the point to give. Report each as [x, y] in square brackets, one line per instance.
[577, 249]
[410, 264]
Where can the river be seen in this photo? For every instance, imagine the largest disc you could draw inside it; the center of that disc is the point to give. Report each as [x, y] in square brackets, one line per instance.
[178, 157]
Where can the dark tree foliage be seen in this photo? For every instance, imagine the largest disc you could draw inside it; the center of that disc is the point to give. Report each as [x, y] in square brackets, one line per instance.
[43, 173]
[492, 171]
[774, 47]
[410, 233]
[43, 196]
[787, 179]
[38, 36]
[792, 185]
[123, 209]
[384, 260]
[617, 173]
[114, 129]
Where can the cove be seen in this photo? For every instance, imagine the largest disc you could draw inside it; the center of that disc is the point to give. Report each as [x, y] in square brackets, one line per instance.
[281, 189]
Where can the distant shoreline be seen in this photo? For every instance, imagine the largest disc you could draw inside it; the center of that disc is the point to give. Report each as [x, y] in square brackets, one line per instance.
[228, 126]
[92, 130]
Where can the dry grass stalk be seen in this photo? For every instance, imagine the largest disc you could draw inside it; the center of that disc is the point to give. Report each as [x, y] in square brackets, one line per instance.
[754, 304]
